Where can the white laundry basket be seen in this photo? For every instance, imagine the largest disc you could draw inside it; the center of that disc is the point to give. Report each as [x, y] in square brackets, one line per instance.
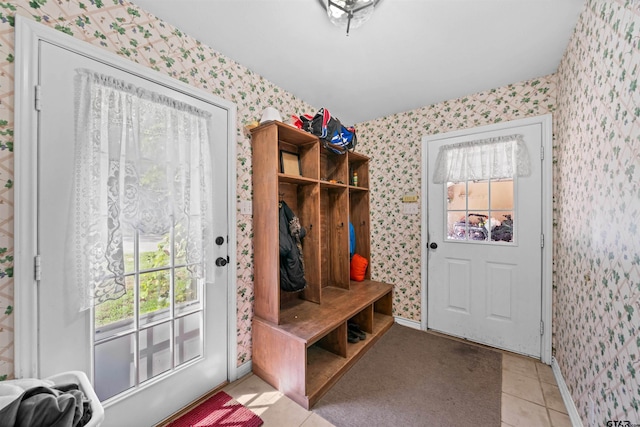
[80, 378]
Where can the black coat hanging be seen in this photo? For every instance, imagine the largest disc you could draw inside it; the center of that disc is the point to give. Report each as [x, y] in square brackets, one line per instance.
[291, 234]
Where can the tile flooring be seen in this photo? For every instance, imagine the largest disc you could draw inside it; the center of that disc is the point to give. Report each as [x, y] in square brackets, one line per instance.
[530, 394]
[530, 397]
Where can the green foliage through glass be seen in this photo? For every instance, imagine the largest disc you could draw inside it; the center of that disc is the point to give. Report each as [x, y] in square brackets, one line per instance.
[154, 288]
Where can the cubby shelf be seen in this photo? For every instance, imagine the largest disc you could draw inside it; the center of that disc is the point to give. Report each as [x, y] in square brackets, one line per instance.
[300, 341]
[293, 179]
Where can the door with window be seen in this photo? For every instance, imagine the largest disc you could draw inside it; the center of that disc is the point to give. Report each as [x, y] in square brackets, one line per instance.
[160, 340]
[484, 237]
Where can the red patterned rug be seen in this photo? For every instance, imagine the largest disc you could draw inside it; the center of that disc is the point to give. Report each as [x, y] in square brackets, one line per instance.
[220, 410]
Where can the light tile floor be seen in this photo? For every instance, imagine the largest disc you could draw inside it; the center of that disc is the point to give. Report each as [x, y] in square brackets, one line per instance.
[530, 394]
[530, 398]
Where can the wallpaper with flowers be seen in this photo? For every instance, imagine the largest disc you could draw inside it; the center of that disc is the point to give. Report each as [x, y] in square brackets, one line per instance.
[597, 213]
[595, 105]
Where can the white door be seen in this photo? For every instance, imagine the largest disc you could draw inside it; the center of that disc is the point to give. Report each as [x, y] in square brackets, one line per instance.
[142, 370]
[484, 251]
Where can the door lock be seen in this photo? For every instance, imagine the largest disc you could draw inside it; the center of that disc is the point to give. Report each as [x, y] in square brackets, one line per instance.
[433, 245]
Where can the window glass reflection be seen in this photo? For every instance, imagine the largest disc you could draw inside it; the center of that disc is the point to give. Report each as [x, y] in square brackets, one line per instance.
[480, 211]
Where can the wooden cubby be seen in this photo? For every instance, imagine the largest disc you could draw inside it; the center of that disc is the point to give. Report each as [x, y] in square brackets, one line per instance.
[300, 339]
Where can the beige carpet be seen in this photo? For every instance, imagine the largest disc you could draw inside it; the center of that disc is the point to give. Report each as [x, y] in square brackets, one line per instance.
[414, 378]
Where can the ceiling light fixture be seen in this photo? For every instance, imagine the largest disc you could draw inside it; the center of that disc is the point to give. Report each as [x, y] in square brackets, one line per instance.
[349, 14]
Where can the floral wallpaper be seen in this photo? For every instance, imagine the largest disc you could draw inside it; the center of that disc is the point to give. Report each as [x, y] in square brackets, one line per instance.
[394, 145]
[595, 104]
[597, 212]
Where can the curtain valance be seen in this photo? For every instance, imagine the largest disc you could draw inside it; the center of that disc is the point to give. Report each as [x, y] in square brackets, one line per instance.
[492, 158]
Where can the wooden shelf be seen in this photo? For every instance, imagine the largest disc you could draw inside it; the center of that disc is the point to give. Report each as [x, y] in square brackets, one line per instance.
[300, 340]
[330, 185]
[310, 321]
[326, 368]
[295, 179]
[317, 335]
[357, 157]
[358, 189]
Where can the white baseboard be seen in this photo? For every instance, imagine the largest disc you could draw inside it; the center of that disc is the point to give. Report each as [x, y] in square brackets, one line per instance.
[566, 396]
[244, 369]
[408, 323]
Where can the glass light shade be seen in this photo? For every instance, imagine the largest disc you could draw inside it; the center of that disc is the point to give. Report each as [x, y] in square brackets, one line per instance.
[339, 12]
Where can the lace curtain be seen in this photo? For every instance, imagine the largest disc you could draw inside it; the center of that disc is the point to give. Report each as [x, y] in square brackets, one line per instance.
[142, 162]
[495, 158]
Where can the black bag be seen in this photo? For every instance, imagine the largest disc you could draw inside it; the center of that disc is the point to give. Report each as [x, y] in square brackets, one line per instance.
[333, 135]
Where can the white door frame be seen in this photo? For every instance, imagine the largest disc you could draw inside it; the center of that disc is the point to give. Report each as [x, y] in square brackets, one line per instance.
[547, 218]
[28, 34]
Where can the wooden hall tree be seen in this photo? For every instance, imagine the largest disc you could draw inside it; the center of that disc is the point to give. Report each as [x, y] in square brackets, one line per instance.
[300, 339]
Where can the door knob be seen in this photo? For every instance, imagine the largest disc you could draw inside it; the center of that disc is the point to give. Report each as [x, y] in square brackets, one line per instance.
[433, 245]
[221, 262]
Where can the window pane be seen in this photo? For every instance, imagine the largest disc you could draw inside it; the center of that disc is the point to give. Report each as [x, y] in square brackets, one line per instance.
[502, 226]
[456, 195]
[456, 225]
[128, 239]
[478, 226]
[187, 291]
[478, 195]
[180, 243]
[502, 195]
[155, 251]
[115, 316]
[114, 369]
[480, 211]
[154, 296]
[155, 351]
[188, 338]
[471, 227]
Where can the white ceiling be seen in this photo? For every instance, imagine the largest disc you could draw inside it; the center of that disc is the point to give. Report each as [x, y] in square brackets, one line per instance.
[410, 54]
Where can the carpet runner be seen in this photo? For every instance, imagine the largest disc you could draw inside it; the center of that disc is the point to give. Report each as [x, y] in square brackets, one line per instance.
[414, 378]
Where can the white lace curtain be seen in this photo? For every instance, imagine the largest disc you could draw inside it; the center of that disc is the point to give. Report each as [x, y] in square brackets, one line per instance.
[142, 161]
[495, 158]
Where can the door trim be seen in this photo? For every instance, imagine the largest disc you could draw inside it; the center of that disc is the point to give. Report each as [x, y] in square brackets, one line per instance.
[28, 34]
[547, 218]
